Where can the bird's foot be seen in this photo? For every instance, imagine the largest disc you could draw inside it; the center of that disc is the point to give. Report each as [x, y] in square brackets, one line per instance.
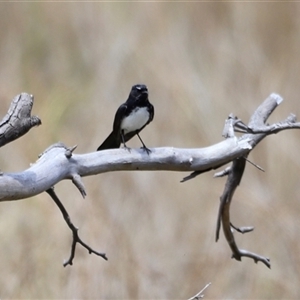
[127, 148]
[146, 149]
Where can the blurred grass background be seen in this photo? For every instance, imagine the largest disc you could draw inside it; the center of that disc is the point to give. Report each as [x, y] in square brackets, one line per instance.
[200, 61]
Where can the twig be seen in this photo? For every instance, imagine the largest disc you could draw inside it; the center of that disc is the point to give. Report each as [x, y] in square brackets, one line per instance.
[222, 173]
[244, 229]
[255, 165]
[200, 295]
[76, 238]
[196, 173]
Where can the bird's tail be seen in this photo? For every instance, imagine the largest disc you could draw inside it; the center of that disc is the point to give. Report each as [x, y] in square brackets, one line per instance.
[111, 142]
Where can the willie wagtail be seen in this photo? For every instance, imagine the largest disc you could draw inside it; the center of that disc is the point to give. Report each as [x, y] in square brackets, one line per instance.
[131, 117]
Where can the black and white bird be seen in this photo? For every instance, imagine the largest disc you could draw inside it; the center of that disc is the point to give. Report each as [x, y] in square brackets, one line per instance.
[131, 117]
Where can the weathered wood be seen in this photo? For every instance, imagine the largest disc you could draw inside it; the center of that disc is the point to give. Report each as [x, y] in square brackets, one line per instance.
[37, 178]
[18, 119]
[59, 162]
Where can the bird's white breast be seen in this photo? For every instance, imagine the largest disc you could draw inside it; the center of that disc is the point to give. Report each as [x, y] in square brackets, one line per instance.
[136, 120]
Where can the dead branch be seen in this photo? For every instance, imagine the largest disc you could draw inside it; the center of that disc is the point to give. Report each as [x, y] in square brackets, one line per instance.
[234, 178]
[37, 178]
[64, 164]
[76, 238]
[18, 119]
[200, 294]
[235, 173]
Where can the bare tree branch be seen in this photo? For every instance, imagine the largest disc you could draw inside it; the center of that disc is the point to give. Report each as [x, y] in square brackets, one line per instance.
[200, 294]
[76, 238]
[37, 178]
[64, 164]
[235, 174]
[234, 178]
[18, 119]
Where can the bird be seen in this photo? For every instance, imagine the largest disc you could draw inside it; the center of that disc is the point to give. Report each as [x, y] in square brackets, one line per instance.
[130, 119]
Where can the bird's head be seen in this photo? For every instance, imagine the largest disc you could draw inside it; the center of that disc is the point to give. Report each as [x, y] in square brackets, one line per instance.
[139, 91]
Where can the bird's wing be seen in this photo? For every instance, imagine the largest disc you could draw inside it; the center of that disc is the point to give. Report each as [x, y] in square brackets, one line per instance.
[151, 111]
[121, 112]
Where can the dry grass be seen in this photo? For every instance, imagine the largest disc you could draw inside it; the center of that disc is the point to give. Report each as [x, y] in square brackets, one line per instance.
[201, 61]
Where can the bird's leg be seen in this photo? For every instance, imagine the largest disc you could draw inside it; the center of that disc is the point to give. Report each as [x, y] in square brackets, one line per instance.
[144, 146]
[123, 141]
